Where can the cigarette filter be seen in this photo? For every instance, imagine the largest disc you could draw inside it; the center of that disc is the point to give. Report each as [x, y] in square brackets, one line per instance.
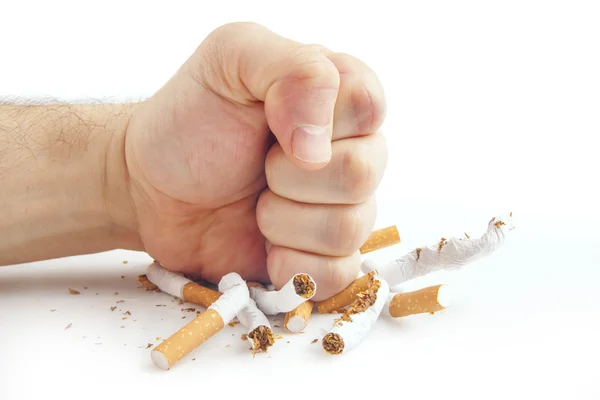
[235, 297]
[295, 292]
[447, 254]
[296, 320]
[259, 332]
[346, 296]
[427, 300]
[181, 287]
[380, 239]
[347, 335]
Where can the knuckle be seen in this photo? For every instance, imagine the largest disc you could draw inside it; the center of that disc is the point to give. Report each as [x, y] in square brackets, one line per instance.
[345, 231]
[274, 164]
[358, 175]
[369, 111]
[264, 218]
[311, 66]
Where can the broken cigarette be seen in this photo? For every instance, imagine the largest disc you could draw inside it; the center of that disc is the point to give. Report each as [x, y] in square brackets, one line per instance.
[350, 330]
[427, 300]
[296, 320]
[380, 239]
[346, 296]
[181, 287]
[296, 291]
[446, 254]
[234, 298]
[259, 332]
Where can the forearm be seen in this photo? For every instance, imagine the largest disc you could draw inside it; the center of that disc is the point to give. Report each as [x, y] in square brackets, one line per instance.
[63, 187]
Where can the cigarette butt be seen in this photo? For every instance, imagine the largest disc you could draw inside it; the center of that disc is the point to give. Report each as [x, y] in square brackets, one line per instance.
[380, 239]
[200, 295]
[181, 343]
[346, 296]
[296, 320]
[427, 300]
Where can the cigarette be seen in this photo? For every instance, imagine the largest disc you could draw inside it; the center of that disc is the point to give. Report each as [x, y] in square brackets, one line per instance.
[181, 287]
[346, 296]
[380, 239]
[296, 320]
[259, 332]
[427, 300]
[350, 330]
[446, 254]
[300, 288]
[234, 298]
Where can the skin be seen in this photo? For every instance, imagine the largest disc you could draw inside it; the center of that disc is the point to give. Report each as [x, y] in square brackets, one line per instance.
[212, 174]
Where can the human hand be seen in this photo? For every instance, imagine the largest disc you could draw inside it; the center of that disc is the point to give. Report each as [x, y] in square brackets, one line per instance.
[260, 156]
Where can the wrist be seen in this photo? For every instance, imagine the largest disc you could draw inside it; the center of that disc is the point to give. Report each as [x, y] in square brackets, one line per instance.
[64, 181]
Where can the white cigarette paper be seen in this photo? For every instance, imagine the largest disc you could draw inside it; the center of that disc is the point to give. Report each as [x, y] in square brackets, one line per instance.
[353, 333]
[234, 299]
[452, 253]
[251, 318]
[167, 281]
[273, 302]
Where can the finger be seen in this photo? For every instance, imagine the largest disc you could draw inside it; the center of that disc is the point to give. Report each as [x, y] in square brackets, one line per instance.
[361, 106]
[333, 230]
[356, 168]
[331, 274]
[297, 83]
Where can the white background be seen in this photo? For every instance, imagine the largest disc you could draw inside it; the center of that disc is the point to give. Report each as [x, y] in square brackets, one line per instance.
[493, 107]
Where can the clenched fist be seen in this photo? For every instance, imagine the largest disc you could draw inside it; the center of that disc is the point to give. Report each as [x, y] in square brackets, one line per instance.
[260, 156]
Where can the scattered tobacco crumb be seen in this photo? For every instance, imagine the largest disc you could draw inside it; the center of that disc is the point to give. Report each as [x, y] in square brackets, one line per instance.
[442, 243]
[467, 235]
[113, 308]
[304, 286]
[158, 338]
[314, 341]
[499, 224]
[116, 293]
[124, 261]
[68, 326]
[53, 309]
[227, 346]
[418, 253]
[149, 345]
[278, 336]
[244, 336]
[183, 317]
[124, 318]
[85, 287]
[73, 291]
[126, 313]
[180, 302]
[288, 342]
[122, 276]
[146, 284]
[161, 305]
[277, 326]
[333, 343]
[122, 326]
[510, 214]
[121, 301]
[233, 323]
[97, 293]
[190, 309]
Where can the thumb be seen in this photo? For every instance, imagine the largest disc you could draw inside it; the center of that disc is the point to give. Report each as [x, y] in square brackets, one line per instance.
[297, 83]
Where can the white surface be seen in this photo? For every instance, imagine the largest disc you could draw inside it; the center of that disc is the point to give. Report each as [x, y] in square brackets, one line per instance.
[491, 107]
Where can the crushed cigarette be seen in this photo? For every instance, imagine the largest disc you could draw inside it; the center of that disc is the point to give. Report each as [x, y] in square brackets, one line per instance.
[300, 288]
[258, 328]
[350, 330]
[180, 287]
[346, 296]
[234, 298]
[73, 291]
[447, 254]
[296, 320]
[146, 284]
[380, 239]
[427, 300]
